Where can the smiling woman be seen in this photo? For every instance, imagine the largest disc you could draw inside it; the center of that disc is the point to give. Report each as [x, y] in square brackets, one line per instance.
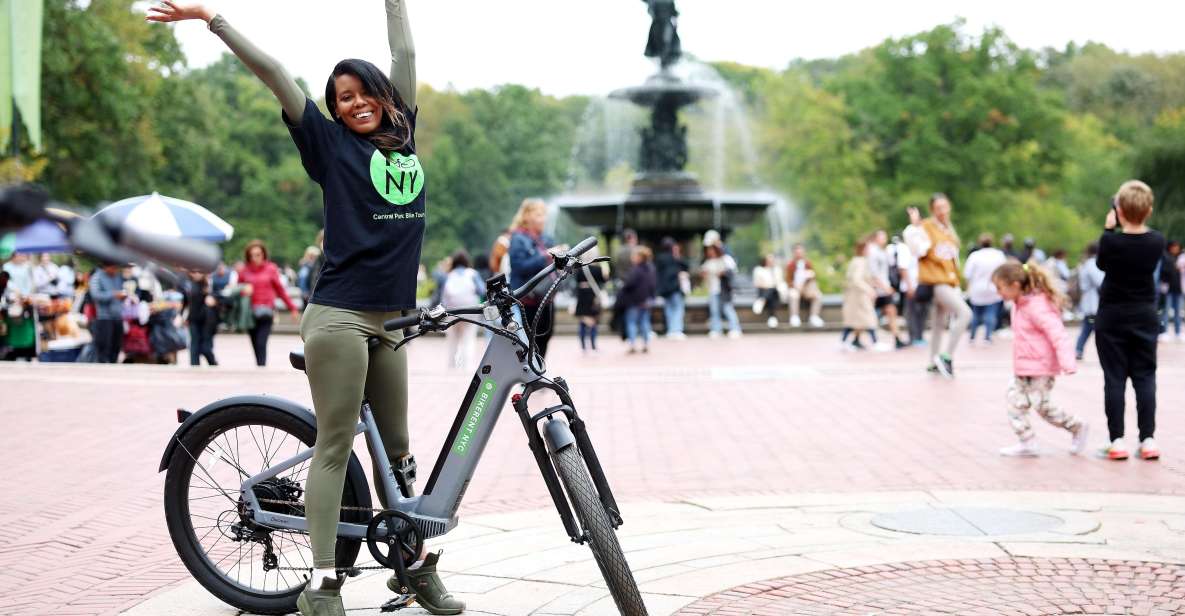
[374, 204]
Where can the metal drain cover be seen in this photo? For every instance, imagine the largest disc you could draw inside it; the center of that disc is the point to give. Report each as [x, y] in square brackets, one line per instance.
[966, 522]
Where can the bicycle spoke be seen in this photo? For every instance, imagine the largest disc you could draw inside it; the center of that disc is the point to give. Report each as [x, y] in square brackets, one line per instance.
[240, 555]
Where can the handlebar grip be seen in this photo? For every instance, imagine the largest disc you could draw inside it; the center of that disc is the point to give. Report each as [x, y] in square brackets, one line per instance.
[190, 254]
[404, 322]
[582, 247]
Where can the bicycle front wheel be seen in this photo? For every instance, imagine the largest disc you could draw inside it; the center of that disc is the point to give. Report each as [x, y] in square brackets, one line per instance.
[254, 568]
[598, 530]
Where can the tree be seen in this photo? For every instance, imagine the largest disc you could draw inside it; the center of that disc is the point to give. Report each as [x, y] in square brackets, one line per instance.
[102, 67]
[1160, 162]
[812, 154]
[964, 115]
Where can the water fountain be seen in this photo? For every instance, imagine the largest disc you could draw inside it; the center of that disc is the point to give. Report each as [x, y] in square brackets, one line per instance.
[663, 197]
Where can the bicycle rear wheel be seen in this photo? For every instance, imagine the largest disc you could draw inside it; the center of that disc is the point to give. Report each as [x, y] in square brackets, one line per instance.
[260, 570]
[598, 531]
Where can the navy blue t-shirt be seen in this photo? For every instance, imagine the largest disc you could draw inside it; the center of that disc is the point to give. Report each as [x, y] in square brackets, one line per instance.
[374, 214]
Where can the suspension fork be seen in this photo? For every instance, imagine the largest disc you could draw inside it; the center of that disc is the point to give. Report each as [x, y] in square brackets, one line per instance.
[579, 434]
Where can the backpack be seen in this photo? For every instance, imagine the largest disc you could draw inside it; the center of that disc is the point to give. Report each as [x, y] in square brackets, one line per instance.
[460, 289]
[1074, 286]
[895, 269]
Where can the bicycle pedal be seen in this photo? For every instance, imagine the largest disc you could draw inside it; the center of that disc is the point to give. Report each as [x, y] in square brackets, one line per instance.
[398, 603]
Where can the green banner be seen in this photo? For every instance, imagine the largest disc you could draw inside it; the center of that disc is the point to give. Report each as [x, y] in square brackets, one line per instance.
[20, 68]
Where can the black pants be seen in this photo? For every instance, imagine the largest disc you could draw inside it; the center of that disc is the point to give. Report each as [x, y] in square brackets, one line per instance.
[259, 335]
[545, 326]
[1125, 337]
[771, 302]
[201, 343]
[108, 340]
[915, 318]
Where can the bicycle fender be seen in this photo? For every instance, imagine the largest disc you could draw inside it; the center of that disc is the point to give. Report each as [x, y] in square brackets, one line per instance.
[558, 435]
[280, 404]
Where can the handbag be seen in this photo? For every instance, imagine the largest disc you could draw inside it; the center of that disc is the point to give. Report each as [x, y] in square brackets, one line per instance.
[726, 286]
[684, 282]
[600, 297]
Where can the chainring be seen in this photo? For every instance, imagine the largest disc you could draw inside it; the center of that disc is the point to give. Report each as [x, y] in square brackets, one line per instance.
[394, 531]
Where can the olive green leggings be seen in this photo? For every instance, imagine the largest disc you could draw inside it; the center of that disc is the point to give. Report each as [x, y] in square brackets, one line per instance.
[341, 371]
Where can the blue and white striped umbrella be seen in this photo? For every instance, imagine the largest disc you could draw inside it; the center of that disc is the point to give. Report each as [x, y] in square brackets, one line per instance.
[163, 215]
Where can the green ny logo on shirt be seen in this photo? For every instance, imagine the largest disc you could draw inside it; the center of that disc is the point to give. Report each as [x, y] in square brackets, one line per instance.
[398, 178]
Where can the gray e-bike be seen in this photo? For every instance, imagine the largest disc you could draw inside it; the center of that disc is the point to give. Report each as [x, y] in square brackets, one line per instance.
[237, 469]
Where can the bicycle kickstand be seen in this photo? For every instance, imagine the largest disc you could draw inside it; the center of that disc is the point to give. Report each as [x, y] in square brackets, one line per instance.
[405, 597]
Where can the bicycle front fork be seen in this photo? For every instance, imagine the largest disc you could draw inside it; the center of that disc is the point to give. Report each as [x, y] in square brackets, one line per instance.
[547, 434]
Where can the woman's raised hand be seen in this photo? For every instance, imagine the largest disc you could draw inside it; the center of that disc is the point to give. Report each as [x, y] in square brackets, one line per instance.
[171, 10]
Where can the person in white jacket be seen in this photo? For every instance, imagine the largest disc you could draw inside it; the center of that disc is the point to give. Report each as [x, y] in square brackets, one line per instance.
[985, 300]
[765, 280]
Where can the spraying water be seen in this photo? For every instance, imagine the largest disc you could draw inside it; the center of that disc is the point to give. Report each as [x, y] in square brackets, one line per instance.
[720, 145]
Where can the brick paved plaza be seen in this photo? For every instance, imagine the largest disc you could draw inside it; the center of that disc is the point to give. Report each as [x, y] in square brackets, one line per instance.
[748, 470]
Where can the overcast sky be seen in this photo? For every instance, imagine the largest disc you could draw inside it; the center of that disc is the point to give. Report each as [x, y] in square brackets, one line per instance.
[594, 46]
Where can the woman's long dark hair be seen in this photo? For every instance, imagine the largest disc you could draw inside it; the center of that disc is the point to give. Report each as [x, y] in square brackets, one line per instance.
[394, 131]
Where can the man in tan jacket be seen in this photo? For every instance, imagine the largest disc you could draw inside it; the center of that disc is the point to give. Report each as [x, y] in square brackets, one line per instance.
[937, 244]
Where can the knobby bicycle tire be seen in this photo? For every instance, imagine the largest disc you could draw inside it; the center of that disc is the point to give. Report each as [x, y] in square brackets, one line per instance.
[599, 531]
[355, 493]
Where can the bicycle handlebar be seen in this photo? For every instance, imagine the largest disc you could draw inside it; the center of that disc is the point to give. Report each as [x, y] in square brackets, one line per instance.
[563, 259]
[405, 321]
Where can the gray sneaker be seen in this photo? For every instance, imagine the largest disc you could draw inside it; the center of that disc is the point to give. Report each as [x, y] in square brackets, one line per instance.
[325, 601]
[429, 590]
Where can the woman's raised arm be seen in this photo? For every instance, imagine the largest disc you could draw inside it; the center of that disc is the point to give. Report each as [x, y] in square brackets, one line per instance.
[273, 75]
[403, 52]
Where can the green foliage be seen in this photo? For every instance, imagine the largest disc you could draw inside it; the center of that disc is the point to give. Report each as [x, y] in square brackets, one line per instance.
[948, 112]
[812, 153]
[102, 67]
[484, 152]
[1161, 163]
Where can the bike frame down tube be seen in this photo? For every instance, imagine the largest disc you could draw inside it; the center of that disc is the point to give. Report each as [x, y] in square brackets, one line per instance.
[502, 368]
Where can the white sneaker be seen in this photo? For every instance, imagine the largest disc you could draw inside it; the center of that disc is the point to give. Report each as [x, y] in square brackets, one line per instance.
[772, 322]
[882, 347]
[1149, 450]
[734, 333]
[816, 322]
[795, 321]
[676, 336]
[1165, 337]
[1078, 442]
[714, 334]
[1115, 450]
[1023, 449]
[1180, 337]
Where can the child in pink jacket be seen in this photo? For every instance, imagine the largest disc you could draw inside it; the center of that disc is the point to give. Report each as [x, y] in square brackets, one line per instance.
[1041, 351]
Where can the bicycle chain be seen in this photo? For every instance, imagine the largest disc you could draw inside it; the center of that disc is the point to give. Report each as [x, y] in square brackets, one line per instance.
[276, 501]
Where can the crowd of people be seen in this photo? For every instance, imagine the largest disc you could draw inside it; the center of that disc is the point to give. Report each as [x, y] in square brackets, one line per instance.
[56, 311]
